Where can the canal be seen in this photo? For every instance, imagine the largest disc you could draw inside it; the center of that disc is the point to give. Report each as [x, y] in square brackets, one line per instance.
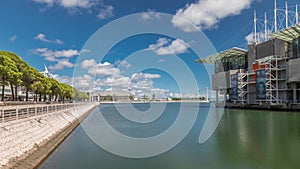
[244, 139]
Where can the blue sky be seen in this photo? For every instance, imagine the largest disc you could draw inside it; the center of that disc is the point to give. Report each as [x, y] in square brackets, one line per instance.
[53, 32]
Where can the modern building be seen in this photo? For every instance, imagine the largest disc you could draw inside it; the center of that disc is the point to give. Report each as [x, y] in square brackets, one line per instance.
[267, 75]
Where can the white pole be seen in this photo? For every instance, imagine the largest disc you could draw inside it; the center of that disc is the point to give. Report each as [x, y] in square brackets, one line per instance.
[206, 93]
[297, 15]
[266, 29]
[255, 38]
[286, 15]
[2, 115]
[17, 112]
[275, 16]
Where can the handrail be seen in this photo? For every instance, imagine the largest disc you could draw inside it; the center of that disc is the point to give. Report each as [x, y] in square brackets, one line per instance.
[25, 111]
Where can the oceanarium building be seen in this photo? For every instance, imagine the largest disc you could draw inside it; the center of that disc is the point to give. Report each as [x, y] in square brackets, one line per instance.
[267, 75]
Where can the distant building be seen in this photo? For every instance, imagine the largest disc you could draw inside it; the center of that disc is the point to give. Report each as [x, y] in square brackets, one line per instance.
[21, 94]
[111, 95]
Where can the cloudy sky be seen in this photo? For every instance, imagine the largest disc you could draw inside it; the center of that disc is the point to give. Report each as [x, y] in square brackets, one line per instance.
[53, 32]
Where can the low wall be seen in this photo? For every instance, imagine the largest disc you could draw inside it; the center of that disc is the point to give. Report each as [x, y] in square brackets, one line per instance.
[25, 143]
[265, 106]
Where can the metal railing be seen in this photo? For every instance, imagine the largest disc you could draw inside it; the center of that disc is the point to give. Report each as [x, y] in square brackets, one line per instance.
[25, 111]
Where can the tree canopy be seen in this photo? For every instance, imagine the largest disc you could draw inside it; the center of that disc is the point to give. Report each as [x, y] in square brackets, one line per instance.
[16, 73]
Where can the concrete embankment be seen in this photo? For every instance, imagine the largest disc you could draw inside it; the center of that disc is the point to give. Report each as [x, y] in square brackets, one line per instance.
[25, 143]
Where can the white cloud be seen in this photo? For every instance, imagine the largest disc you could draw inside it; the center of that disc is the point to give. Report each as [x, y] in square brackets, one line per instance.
[84, 82]
[161, 61]
[13, 38]
[140, 84]
[205, 14]
[140, 75]
[68, 3]
[106, 12]
[151, 14]
[109, 76]
[118, 83]
[88, 63]
[163, 46]
[123, 63]
[51, 55]
[104, 69]
[61, 64]
[260, 37]
[160, 42]
[42, 37]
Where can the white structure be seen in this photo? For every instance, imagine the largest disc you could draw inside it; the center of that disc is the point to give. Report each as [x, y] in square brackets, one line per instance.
[46, 73]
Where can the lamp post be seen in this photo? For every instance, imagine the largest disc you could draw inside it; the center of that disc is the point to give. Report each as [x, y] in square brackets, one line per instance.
[129, 95]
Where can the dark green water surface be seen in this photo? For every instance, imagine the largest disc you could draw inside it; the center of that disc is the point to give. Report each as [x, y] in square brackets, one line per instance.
[244, 139]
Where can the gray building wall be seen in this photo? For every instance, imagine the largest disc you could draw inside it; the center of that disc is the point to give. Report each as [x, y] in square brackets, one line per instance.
[220, 81]
[280, 47]
[293, 70]
[271, 47]
[251, 56]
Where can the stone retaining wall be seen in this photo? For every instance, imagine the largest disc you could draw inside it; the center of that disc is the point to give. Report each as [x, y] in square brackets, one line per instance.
[25, 143]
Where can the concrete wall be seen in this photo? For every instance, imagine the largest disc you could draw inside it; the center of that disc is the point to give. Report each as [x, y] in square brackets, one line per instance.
[293, 70]
[272, 47]
[280, 47]
[220, 81]
[265, 49]
[251, 56]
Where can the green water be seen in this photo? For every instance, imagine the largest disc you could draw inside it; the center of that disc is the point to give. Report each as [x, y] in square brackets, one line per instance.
[244, 139]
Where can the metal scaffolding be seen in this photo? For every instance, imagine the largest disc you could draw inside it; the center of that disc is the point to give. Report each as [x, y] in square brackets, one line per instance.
[273, 68]
[242, 86]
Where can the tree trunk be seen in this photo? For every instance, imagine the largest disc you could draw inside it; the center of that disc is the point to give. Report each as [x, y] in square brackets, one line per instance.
[26, 94]
[40, 98]
[45, 97]
[16, 93]
[12, 91]
[3, 86]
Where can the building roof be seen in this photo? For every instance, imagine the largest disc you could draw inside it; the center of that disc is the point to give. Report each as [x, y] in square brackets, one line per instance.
[224, 54]
[287, 34]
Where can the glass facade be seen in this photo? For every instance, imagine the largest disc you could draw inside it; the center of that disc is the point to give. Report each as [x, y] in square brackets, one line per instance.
[231, 63]
[296, 48]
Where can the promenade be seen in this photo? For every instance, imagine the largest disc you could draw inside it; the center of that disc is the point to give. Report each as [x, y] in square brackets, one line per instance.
[27, 132]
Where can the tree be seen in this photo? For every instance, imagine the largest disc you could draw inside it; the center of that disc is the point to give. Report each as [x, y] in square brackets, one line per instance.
[67, 92]
[15, 81]
[8, 70]
[55, 89]
[28, 78]
[16, 72]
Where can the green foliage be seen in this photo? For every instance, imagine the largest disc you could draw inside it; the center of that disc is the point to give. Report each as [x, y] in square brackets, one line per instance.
[16, 72]
[176, 99]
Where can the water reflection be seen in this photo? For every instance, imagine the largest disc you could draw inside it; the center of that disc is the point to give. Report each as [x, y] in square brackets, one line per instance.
[259, 139]
[244, 139]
